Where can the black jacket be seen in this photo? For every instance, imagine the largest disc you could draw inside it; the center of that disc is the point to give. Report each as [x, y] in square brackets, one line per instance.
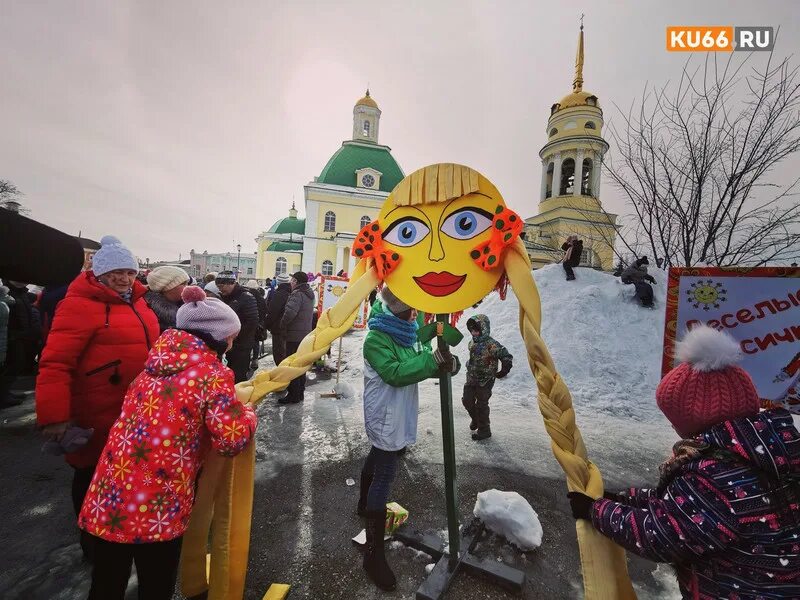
[575, 256]
[245, 307]
[165, 310]
[298, 316]
[276, 306]
[260, 303]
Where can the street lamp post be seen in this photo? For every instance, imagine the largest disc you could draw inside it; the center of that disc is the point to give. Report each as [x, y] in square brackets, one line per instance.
[238, 260]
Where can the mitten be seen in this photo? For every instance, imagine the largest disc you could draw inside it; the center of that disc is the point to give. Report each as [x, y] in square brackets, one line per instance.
[581, 505]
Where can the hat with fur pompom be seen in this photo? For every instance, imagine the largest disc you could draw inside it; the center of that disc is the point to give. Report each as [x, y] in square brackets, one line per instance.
[708, 388]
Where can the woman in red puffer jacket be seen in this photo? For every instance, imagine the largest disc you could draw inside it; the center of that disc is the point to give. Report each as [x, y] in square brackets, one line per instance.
[98, 343]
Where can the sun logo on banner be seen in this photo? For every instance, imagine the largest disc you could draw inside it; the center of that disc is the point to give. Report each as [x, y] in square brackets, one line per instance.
[706, 293]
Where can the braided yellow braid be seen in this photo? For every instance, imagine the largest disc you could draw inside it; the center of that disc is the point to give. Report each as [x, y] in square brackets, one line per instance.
[605, 571]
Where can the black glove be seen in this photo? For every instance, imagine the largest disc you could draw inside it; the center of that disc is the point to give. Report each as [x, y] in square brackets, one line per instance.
[446, 361]
[581, 505]
[505, 368]
[616, 497]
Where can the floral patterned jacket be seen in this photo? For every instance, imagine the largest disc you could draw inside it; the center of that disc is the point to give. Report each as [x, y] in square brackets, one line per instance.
[182, 403]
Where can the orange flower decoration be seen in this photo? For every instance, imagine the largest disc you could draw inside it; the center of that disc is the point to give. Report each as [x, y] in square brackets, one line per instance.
[369, 244]
[506, 228]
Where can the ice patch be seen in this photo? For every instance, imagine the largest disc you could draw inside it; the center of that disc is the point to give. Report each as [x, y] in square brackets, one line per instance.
[509, 514]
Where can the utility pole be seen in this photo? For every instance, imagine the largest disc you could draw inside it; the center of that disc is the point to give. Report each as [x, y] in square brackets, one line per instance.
[238, 260]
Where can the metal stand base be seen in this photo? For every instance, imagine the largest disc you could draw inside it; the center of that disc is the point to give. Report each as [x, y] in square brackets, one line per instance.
[447, 566]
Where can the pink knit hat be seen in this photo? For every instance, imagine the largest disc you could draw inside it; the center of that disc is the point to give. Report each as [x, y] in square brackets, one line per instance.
[708, 388]
[209, 315]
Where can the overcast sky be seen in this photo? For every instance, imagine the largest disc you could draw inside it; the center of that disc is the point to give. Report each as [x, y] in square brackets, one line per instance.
[179, 125]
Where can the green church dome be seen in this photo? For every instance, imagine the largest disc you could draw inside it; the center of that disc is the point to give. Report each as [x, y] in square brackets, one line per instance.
[289, 225]
[352, 156]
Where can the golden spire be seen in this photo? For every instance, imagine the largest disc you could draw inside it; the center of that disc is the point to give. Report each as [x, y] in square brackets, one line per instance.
[577, 83]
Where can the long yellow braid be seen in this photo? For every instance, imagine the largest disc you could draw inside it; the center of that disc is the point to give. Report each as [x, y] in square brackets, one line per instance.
[605, 571]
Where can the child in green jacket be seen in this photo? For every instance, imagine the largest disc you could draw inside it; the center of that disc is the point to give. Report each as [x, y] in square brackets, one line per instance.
[484, 354]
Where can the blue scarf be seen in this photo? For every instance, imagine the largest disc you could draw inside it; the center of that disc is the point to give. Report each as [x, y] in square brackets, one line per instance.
[402, 332]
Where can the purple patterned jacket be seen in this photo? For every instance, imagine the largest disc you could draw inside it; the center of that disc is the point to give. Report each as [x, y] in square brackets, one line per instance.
[728, 520]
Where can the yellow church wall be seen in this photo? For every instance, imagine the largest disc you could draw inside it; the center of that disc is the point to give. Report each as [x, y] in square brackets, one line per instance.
[325, 251]
[348, 216]
[266, 263]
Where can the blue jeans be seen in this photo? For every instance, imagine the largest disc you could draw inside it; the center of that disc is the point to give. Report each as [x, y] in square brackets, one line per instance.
[382, 465]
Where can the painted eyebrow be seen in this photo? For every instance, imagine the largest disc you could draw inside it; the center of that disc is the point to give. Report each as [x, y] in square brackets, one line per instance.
[403, 220]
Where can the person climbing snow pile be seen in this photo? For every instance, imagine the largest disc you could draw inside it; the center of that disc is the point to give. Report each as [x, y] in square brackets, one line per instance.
[484, 355]
[637, 275]
[726, 511]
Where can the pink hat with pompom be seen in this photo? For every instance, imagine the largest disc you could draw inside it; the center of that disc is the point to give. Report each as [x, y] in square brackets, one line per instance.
[708, 388]
[209, 315]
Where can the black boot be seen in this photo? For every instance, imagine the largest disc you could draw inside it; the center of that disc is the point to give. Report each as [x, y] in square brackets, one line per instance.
[482, 434]
[366, 481]
[374, 554]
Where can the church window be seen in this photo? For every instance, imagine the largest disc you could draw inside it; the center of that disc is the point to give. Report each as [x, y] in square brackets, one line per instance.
[548, 192]
[586, 258]
[586, 177]
[553, 131]
[330, 221]
[280, 266]
[366, 128]
[368, 181]
[567, 177]
[591, 101]
[365, 220]
[590, 125]
[327, 268]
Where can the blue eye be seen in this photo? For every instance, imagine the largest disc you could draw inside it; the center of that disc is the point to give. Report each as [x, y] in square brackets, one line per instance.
[406, 232]
[466, 223]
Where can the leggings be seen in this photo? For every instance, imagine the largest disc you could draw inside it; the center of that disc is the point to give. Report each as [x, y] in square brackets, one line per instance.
[382, 465]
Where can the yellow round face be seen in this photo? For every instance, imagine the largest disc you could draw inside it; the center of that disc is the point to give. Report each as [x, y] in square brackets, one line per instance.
[436, 272]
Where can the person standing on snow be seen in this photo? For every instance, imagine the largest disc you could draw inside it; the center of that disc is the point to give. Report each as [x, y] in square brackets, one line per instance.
[295, 324]
[484, 354]
[164, 296]
[275, 307]
[573, 248]
[141, 495]
[101, 334]
[725, 513]
[245, 307]
[636, 274]
[394, 364]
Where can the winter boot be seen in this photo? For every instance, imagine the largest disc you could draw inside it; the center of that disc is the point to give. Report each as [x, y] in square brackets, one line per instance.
[473, 425]
[366, 481]
[374, 554]
[482, 434]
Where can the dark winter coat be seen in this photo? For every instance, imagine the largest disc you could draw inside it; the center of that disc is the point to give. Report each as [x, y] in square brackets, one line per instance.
[48, 302]
[182, 405]
[97, 345]
[574, 258]
[5, 312]
[726, 519]
[261, 304]
[484, 354]
[276, 306]
[245, 307]
[635, 274]
[24, 323]
[165, 310]
[298, 314]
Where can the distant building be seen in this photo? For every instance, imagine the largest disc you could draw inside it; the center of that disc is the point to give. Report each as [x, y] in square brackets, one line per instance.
[570, 188]
[347, 194]
[201, 263]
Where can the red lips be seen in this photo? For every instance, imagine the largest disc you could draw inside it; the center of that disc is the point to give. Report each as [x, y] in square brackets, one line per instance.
[440, 284]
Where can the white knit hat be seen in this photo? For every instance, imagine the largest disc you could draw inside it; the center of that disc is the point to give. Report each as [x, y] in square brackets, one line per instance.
[112, 256]
[163, 279]
[201, 313]
[252, 285]
[282, 278]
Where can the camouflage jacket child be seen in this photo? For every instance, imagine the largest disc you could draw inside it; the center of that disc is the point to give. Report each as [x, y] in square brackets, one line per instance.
[484, 354]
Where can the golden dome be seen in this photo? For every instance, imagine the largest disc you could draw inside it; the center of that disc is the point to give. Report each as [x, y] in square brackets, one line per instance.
[578, 99]
[367, 101]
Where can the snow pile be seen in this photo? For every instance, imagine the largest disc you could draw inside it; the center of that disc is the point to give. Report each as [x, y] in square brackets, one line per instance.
[509, 514]
[344, 390]
[605, 346]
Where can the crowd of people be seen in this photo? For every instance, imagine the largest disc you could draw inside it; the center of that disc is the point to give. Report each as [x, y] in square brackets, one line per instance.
[137, 383]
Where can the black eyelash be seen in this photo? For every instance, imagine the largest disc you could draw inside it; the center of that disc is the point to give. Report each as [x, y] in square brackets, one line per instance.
[480, 211]
[405, 220]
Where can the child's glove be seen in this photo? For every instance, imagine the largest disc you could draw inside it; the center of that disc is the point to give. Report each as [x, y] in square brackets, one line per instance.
[505, 368]
[446, 361]
[581, 505]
